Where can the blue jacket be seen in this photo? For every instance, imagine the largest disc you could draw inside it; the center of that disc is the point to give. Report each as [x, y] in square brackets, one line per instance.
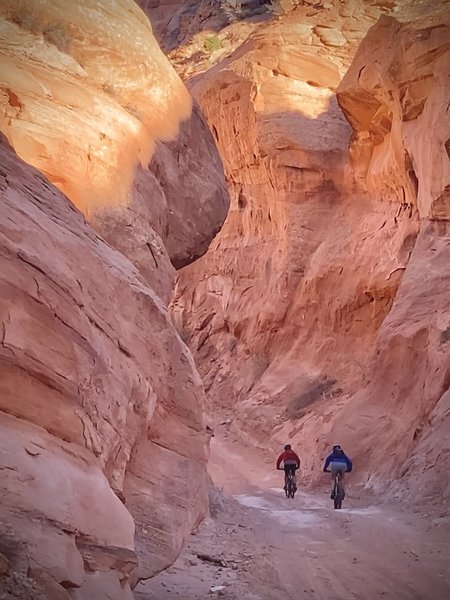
[338, 457]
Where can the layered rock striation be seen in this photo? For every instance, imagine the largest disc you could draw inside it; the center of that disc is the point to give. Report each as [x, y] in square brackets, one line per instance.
[291, 278]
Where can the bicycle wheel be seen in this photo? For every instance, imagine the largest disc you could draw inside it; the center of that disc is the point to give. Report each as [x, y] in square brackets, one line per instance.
[339, 492]
[291, 486]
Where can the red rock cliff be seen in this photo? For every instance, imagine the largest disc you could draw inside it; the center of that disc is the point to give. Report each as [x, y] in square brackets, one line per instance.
[297, 304]
[396, 95]
[281, 291]
[98, 397]
[103, 442]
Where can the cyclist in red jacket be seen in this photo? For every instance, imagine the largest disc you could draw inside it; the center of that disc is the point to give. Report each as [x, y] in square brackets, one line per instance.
[291, 462]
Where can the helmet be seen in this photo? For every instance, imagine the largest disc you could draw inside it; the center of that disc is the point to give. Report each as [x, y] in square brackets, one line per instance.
[337, 447]
[287, 447]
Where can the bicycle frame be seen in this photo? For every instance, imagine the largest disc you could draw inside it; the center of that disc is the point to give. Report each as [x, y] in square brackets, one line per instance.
[290, 487]
[338, 491]
[290, 483]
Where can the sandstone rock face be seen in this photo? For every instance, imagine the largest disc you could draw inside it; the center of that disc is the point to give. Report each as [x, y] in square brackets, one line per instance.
[198, 34]
[402, 417]
[401, 74]
[295, 313]
[392, 148]
[262, 305]
[190, 174]
[88, 98]
[102, 444]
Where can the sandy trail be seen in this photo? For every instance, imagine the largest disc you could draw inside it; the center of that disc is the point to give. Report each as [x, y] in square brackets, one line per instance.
[276, 548]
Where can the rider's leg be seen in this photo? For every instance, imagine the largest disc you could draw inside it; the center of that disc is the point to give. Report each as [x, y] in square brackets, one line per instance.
[285, 478]
[335, 468]
[333, 482]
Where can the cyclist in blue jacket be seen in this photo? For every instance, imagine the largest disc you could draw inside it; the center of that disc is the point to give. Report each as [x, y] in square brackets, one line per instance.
[335, 462]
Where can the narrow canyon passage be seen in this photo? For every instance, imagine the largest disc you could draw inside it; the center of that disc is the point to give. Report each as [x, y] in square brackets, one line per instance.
[224, 227]
[258, 545]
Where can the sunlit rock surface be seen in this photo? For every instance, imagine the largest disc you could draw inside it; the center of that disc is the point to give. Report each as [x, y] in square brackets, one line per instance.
[290, 279]
[88, 98]
[400, 147]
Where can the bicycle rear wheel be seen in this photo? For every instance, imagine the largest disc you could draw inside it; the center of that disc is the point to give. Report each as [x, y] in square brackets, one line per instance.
[291, 486]
[339, 492]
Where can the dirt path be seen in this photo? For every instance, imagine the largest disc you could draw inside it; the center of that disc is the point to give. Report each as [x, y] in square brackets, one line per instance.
[274, 548]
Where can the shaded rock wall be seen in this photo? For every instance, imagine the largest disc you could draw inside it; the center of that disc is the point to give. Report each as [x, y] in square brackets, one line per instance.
[297, 305]
[103, 439]
[98, 395]
[403, 72]
[177, 22]
[280, 292]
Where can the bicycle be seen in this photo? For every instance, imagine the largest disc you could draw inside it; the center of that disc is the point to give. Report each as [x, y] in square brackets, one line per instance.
[291, 486]
[338, 490]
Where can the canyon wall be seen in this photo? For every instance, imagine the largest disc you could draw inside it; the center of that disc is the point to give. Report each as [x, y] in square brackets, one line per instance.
[187, 24]
[397, 96]
[302, 314]
[100, 400]
[104, 442]
[280, 293]
[88, 98]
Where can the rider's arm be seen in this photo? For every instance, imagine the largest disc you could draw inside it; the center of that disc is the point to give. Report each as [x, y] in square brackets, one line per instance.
[280, 458]
[327, 463]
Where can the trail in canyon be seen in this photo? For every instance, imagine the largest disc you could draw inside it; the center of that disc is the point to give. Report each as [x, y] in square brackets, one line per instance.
[271, 547]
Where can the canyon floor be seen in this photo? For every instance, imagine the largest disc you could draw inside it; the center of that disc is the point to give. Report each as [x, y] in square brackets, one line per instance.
[258, 545]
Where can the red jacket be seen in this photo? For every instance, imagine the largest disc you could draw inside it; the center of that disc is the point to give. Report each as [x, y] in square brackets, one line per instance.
[288, 455]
